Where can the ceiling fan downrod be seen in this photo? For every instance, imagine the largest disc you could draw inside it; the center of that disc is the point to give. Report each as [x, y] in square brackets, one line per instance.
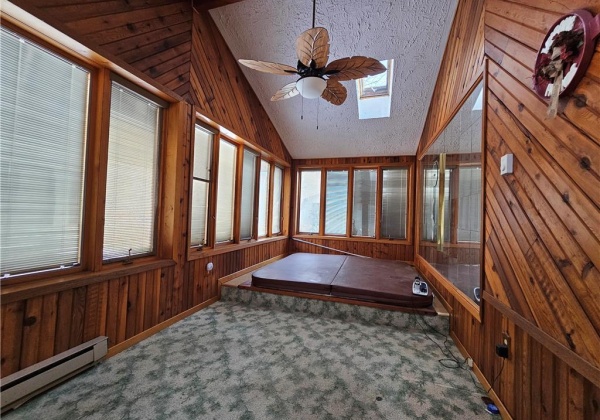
[314, 12]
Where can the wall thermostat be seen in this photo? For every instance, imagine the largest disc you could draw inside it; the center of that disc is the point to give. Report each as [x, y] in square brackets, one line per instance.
[506, 164]
[209, 266]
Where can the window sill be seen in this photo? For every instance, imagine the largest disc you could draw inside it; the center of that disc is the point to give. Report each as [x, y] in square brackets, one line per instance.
[354, 239]
[32, 288]
[195, 253]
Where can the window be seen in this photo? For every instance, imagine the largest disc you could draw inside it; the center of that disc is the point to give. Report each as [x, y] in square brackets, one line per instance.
[44, 112]
[132, 175]
[363, 205]
[374, 93]
[277, 193]
[394, 203]
[225, 192]
[431, 206]
[469, 201]
[310, 201]
[203, 142]
[357, 202]
[248, 183]
[263, 198]
[336, 202]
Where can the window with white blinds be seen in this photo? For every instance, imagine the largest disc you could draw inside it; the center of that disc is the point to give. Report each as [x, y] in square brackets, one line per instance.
[248, 188]
[394, 203]
[277, 192]
[225, 192]
[469, 204]
[263, 198]
[44, 112]
[431, 205]
[364, 203]
[203, 141]
[132, 174]
[310, 201]
[336, 202]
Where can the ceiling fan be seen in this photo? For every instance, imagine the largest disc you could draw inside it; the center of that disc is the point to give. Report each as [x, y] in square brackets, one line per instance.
[317, 78]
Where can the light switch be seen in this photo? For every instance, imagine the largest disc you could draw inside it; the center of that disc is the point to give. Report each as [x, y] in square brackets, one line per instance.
[506, 164]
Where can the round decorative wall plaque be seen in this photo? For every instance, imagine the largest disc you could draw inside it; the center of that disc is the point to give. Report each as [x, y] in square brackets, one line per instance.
[565, 55]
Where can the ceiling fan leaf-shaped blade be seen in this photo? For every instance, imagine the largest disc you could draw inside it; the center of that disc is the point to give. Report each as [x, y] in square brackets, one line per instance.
[334, 92]
[351, 68]
[288, 91]
[313, 45]
[268, 67]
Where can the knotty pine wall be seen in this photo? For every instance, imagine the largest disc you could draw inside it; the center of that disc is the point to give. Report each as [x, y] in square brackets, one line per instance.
[542, 224]
[126, 302]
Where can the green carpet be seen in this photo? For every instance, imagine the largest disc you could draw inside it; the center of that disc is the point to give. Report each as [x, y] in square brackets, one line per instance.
[240, 361]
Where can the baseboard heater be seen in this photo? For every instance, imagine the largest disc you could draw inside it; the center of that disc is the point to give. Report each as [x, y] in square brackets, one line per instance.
[25, 384]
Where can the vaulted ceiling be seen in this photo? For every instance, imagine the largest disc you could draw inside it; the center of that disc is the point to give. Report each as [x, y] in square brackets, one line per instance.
[412, 32]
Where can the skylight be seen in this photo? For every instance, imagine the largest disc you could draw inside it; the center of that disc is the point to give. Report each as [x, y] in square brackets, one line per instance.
[374, 93]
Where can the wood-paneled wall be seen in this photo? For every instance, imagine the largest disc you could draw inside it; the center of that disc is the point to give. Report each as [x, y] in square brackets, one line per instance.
[155, 37]
[220, 90]
[460, 68]
[542, 225]
[39, 327]
[388, 251]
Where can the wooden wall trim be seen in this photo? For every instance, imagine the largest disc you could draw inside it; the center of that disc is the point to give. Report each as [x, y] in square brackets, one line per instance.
[27, 290]
[589, 371]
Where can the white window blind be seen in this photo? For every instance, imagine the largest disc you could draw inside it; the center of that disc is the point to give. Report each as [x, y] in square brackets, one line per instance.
[226, 192]
[203, 141]
[310, 201]
[336, 202]
[132, 176]
[469, 204]
[43, 109]
[277, 185]
[363, 202]
[394, 203]
[248, 184]
[263, 198]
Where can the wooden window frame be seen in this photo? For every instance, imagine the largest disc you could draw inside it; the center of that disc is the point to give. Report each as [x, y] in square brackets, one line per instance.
[213, 248]
[102, 73]
[409, 166]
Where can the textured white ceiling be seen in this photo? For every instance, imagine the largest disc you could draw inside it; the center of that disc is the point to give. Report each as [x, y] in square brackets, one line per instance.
[412, 32]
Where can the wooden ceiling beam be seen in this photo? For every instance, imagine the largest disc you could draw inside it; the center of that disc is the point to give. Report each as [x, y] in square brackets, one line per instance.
[212, 4]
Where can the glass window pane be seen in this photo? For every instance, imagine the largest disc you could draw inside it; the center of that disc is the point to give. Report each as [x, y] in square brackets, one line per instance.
[226, 192]
[263, 198]
[363, 202]
[43, 109]
[310, 201]
[132, 176]
[394, 203]
[248, 183]
[336, 202]
[203, 140]
[199, 212]
[277, 185]
[431, 207]
[469, 204]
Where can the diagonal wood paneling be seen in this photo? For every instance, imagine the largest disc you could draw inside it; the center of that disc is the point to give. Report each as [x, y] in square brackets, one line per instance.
[542, 223]
[154, 36]
[220, 90]
[461, 66]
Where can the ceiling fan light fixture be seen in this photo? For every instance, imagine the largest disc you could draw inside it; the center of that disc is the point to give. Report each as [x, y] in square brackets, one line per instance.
[311, 87]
